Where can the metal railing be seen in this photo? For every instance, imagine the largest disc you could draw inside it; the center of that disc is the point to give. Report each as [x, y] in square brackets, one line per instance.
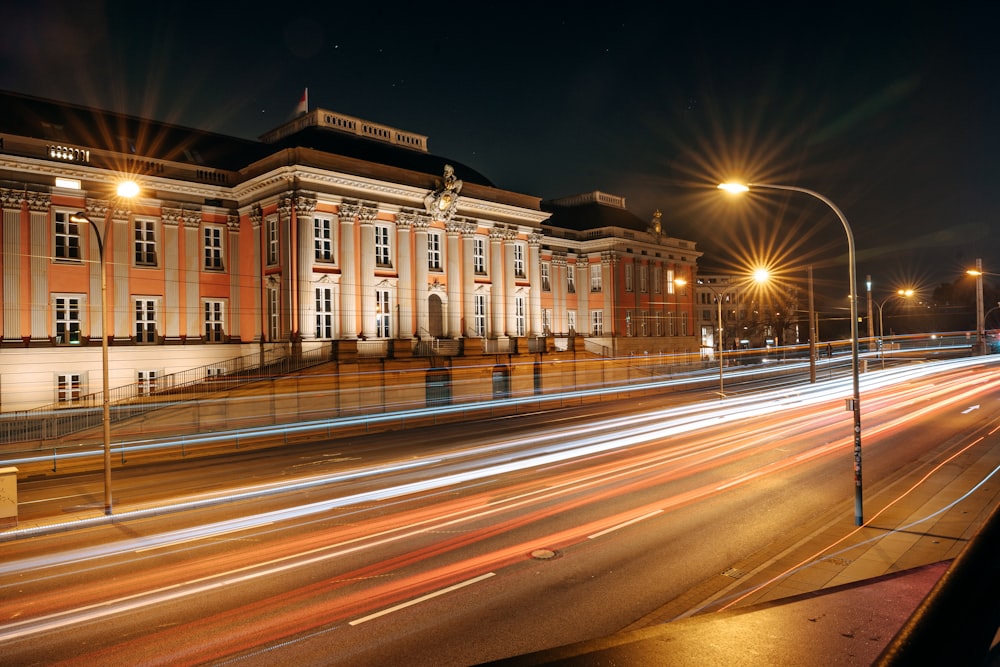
[61, 419]
[438, 347]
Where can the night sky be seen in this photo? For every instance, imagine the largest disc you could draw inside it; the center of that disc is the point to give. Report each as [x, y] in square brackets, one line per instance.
[888, 109]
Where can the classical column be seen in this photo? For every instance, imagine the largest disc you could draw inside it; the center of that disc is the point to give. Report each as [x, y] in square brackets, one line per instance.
[305, 211]
[559, 297]
[256, 221]
[366, 221]
[348, 281]
[97, 211]
[12, 262]
[420, 226]
[452, 229]
[288, 233]
[118, 283]
[38, 208]
[607, 289]
[496, 279]
[468, 278]
[534, 284]
[172, 273]
[404, 223]
[191, 224]
[510, 281]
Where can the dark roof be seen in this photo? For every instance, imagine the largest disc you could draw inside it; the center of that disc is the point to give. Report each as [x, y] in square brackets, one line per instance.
[78, 125]
[377, 152]
[592, 215]
[81, 126]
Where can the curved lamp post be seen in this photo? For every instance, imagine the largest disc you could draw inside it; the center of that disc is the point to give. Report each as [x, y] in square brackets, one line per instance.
[126, 190]
[718, 301]
[902, 294]
[855, 403]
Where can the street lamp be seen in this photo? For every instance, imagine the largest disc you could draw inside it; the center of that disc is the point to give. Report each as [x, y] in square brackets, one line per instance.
[980, 315]
[126, 190]
[718, 301]
[761, 276]
[901, 294]
[737, 188]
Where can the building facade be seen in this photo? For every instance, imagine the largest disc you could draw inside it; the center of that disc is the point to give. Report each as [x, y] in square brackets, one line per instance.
[622, 282]
[330, 230]
[746, 315]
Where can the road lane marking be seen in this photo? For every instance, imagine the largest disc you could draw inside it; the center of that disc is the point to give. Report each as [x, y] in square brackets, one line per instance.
[970, 409]
[46, 500]
[423, 598]
[740, 480]
[622, 525]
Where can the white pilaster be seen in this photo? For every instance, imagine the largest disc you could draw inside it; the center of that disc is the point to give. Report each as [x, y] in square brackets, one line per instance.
[420, 227]
[404, 269]
[454, 322]
[496, 278]
[349, 281]
[367, 285]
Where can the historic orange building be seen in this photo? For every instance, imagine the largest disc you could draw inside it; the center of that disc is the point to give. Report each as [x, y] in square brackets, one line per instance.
[332, 238]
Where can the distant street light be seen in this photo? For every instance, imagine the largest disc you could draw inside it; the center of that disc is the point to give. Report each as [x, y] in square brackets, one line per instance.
[718, 301]
[738, 188]
[900, 294]
[126, 190]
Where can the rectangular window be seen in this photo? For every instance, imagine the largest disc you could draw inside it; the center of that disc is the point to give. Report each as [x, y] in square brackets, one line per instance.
[323, 239]
[546, 287]
[68, 388]
[324, 312]
[145, 243]
[547, 320]
[147, 382]
[382, 247]
[595, 277]
[643, 278]
[670, 281]
[628, 323]
[519, 260]
[213, 248]
[479, 255]
[684, 324]
[571, 279]
[671, 325]
[434, 251]
[519, 319]
[273, 313]
[272, 241]
[145, 320]
[571, 321]
[659, 323]
[628, 277]
[215, 321]
[643, 323]
[657, 279]
[597, 322]
[383, 314]
[67, 320]
[67, 238]
[479, 321]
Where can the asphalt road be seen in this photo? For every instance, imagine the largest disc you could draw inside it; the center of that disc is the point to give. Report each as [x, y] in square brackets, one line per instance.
[459, 544]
